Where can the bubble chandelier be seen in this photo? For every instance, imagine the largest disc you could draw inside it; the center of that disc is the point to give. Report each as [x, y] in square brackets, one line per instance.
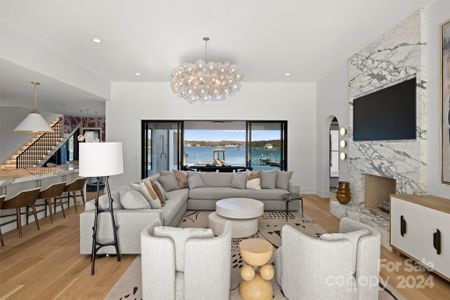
[205, 81]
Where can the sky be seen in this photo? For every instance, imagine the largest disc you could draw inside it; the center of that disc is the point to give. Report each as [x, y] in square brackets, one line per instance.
[229, 135]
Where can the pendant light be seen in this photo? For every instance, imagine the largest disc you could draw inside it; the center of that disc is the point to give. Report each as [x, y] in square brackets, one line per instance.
[34, 122]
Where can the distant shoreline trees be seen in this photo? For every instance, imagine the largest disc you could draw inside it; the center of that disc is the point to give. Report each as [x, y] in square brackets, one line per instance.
[257, 144]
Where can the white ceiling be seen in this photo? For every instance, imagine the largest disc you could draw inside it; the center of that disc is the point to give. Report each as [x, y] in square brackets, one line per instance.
[53, 95]
[266, 38]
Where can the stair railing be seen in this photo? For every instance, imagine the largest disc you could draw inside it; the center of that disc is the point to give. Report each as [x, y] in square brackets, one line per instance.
[41, 147]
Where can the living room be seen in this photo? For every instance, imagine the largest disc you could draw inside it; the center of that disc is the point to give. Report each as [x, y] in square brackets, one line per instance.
[197, 150]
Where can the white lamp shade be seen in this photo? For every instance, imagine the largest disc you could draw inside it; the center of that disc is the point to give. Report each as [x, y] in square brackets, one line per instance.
[34, 122]
[100, 159]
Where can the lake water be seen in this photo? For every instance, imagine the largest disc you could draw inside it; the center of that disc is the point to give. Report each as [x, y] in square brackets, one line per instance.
[233, 156]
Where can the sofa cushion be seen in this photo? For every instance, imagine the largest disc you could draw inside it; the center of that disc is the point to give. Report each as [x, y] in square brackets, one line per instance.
[169, 182]
[239, 180]
[179, 236]
[175, 201]
[216, 193]
[165, 172]
[283, 179]
[104, 201]
[195, 181]
[133, 199]
[212, 179]
[268, 179]
[153, 178]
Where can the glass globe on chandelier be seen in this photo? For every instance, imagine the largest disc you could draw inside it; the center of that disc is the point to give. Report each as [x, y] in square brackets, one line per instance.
[205, 81]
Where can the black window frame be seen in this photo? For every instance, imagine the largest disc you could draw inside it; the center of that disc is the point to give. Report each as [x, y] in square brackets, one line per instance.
[180, 155]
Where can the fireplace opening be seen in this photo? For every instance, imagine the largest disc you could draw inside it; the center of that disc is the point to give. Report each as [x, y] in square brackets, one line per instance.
[377, 191]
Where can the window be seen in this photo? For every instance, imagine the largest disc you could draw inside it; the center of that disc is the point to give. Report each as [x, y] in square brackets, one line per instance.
[213, 145]
[204, 138]
[267, 145]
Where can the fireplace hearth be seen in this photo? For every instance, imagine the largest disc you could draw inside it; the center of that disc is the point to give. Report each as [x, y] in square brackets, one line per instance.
[377, 192]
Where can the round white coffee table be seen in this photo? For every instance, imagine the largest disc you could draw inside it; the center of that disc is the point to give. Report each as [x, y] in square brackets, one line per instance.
[243, 213]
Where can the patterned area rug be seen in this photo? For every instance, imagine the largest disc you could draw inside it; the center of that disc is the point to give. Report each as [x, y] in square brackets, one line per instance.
[270, 224]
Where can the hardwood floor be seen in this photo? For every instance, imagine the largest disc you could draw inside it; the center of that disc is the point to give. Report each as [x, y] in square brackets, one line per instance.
[46, 264]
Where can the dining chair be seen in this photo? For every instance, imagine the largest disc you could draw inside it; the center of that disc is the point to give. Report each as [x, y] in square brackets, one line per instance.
[72, 188]
[53, 192]
[23, 199]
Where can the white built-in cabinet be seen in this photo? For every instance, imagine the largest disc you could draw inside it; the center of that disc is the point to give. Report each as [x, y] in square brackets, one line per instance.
[420, 229]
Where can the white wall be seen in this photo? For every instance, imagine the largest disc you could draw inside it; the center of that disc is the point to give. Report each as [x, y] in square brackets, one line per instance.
[331, 102]
[437, 13]
[295, 102]
[10, 117]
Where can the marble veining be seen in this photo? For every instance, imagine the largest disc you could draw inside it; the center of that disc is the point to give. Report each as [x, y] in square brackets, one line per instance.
[396, 56]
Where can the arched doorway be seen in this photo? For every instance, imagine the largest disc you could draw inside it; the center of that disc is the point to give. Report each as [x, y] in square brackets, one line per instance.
[334, 154]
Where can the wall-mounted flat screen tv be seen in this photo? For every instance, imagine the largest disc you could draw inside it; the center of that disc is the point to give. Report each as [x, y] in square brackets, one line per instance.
[387, 114]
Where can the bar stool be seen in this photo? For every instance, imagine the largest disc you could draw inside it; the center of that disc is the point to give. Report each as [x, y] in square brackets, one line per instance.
[1, 234]
[23, 199]
[72, 188]
[53, 192]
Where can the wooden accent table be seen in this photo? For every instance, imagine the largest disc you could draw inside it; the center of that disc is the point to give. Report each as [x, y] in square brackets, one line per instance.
[256, 274]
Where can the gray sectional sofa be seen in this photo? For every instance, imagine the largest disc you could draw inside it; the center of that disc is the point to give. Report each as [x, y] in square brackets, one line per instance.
[131, 222]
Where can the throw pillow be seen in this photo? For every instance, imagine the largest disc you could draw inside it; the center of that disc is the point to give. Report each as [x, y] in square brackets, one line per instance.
[159, 190]
[180, 236]
[132, 199]
[239, 180]
[148, 192]
[268, 179]
[217, 179]
[283, 178]
[353, 237]
[195, 181]
[182, 179]
[169, 182]
[254, 180]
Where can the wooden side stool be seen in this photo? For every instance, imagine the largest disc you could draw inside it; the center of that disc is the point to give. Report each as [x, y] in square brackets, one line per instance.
[72, 188]
[23, 199]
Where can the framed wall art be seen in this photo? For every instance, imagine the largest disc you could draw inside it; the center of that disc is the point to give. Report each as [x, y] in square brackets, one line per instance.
[445, 68]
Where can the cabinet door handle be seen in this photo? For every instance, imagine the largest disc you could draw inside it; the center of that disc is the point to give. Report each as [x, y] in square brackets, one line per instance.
[437, 241]
[402, 226]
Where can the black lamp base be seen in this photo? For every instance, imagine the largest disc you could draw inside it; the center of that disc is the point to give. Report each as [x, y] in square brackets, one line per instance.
[96, 245]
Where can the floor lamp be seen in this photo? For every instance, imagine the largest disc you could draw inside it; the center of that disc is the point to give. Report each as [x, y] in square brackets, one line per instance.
[101, 160]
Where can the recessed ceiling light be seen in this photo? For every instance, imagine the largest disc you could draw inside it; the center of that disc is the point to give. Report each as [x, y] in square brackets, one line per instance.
[138, 74]
[97, 40]
[287, 74]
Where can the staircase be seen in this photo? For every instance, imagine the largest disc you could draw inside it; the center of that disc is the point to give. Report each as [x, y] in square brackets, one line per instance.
[36, 151]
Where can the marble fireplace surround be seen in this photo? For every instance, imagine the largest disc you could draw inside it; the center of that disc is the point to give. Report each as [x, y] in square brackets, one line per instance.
[396, 56]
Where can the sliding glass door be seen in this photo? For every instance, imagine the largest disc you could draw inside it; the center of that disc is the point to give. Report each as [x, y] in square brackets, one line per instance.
[161, 146]
[213, 145]
[267, 145]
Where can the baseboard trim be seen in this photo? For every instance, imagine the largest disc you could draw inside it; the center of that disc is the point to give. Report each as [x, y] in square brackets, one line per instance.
[324, 194]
